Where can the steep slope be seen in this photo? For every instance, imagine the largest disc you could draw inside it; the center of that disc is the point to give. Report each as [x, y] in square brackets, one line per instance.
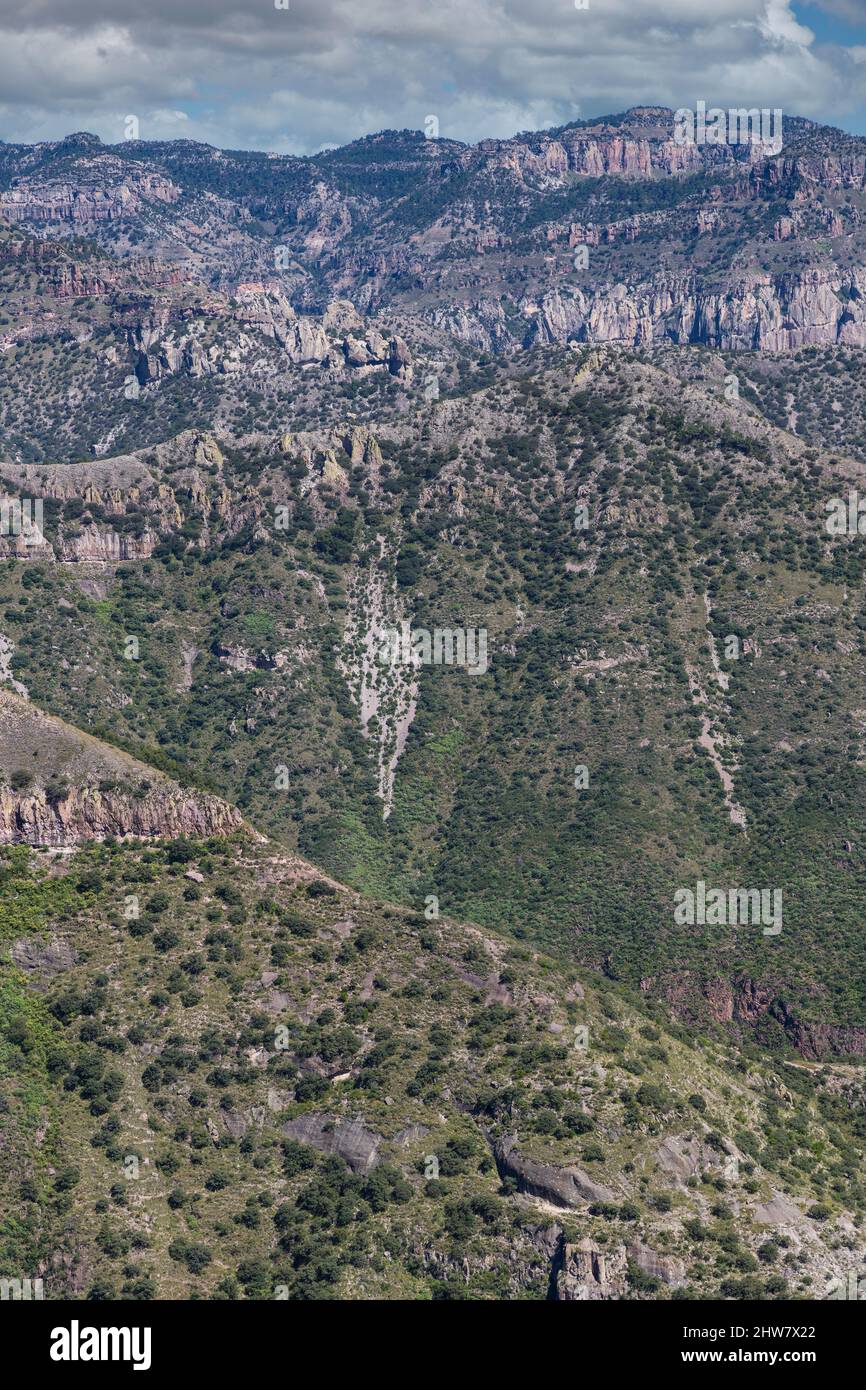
[224, 1076]
[671, 691]
[61, 786]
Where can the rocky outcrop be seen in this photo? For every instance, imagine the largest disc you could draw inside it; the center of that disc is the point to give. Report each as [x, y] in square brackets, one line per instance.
[168, 341]
[349, 1139]
[245, 659]
[112, 488]
[342, 317]
[565, 1187]
[778, 1212]
[375, 351]
[95, 545]
[66, 787]
[120, 190]
[584, 1272]
[774, 313]
[587, 1274]
[114, 484]
[592, 153]
[684, 1158]
[42, 960]
[825, 1040]
[120, 509]
[64, 277]
[85, 814]
[361, 447]
[668, 1268]
[811, 172]
[741, 1000]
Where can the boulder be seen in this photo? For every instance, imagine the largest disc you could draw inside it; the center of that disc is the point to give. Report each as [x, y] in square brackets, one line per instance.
[565, 1187]
[347, 1138]
[588, 1274]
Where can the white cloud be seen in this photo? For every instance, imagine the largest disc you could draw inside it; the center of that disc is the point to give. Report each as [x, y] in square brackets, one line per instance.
[779, 25]
[241, 73]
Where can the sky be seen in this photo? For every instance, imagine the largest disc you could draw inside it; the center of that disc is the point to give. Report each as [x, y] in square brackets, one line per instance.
[297, 76]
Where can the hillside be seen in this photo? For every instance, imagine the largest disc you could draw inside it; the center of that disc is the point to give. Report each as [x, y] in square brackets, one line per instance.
[227, 1077]
[432, 717]
[693, 644]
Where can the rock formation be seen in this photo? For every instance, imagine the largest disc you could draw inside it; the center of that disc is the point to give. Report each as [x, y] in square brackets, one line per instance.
[64, 787]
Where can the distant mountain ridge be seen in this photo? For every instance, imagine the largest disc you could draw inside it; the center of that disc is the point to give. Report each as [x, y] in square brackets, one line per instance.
[458, 230]
[372, 275]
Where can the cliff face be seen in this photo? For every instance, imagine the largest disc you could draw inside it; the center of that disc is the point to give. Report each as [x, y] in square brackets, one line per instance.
[120, 191]
[113, 488]
[107, 547]
[65, 277]
[586, 1272]
[168, 341]
[744, 1001]
[831, 171]
[87, 814]
[601, 151]
[78, 788]
[594, 155]
[763, 312]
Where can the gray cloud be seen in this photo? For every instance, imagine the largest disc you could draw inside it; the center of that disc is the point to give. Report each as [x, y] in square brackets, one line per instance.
[247, 74]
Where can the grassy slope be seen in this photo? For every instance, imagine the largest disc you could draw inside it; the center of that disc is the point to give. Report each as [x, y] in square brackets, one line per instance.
[160, 1044]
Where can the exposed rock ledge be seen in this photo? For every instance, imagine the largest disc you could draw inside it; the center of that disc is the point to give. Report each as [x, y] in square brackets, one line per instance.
[77, 788]
[583, 1272]
[565, 1187]
[88, 814]
[347, 1138]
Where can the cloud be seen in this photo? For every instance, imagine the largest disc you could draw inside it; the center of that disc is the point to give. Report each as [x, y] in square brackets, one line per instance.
[241, 73]
[780, 26]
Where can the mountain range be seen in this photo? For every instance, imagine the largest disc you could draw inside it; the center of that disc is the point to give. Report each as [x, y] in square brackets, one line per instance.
[441, 564]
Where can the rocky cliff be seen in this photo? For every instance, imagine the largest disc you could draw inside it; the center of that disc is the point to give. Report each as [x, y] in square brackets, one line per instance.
[113, 190]
[167, 340]
[85, 814]
[773, 313]
[62, 787]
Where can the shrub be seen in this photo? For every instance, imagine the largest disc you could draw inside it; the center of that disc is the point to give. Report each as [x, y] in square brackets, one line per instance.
[819, 1211]
[195, 1257]
[320, 889]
